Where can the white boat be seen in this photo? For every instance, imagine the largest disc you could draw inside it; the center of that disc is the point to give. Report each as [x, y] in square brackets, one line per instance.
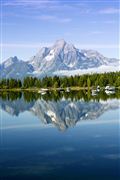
[94, 92]
[42, 91]
[110, 88]
[67, 89]
[109, 92]
[98, 89]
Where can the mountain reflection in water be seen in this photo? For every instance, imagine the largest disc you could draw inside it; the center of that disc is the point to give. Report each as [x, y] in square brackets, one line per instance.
[61, 109]
[31, 147]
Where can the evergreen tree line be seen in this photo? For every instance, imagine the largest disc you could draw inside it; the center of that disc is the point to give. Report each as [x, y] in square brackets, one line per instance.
[93, 80]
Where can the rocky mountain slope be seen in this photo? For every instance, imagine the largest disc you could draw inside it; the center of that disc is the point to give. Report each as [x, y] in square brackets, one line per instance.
[61, 59]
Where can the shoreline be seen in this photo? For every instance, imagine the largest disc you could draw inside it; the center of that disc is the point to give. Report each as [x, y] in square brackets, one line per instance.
[51, 89]
[46, 89]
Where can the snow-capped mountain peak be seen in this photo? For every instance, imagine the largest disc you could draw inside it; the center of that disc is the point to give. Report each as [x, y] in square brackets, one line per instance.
[61, 57]
[10, 61]
[60, 43]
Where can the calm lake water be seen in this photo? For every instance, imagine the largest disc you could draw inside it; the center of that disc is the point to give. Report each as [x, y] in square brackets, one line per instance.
[60, 136]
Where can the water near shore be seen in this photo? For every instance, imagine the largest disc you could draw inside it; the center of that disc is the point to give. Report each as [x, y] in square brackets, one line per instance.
[59, 135]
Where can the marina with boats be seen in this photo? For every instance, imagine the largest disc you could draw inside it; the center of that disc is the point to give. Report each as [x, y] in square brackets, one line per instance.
[94, 92]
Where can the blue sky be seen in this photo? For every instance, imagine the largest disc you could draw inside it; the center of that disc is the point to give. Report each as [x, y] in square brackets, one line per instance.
[28, 25]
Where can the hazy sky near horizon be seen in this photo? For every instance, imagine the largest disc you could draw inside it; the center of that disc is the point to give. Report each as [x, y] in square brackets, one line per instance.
[27, 25]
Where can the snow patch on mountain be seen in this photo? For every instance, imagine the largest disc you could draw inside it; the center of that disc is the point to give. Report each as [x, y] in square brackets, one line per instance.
[51, 55]
[60, 59]
[10, 61]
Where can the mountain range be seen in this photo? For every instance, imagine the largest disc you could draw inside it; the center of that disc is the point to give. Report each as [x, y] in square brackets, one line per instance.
[60, 59]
